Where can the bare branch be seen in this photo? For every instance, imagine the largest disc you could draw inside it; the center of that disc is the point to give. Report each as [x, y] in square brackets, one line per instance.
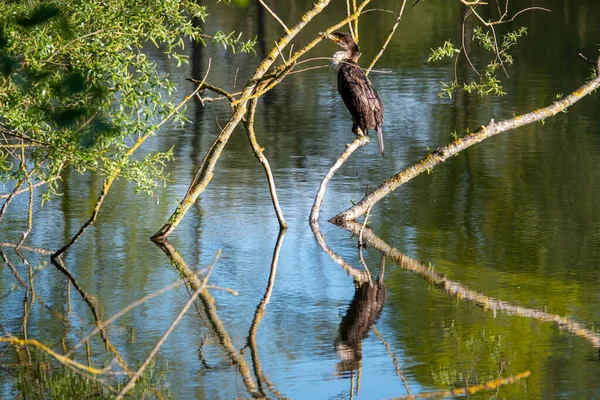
[350, 148]
[258, 152]
[287, 30]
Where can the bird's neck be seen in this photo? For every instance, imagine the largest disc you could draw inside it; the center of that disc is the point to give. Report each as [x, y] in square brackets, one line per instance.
[352, 53]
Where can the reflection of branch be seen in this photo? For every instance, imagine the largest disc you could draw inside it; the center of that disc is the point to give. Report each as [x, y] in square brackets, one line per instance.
[443, 153]
[490, 385]
[258, 314]
[211, 313]
[463, 293]
[356, 274]
[59, 264]
[163, 339]
[125, 310]
[394, 358]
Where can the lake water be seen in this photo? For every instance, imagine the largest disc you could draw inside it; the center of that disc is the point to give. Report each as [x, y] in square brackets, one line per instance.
[514, 218]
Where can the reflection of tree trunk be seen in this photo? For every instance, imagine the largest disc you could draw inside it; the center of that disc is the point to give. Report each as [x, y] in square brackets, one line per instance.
[211, 312]
[364, 310]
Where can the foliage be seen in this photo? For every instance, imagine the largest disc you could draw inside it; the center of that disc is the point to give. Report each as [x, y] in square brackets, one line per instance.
[487, 82]
[77, 86]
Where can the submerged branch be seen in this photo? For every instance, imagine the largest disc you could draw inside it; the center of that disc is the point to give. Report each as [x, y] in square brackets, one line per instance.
[443, 153]
[62, 359]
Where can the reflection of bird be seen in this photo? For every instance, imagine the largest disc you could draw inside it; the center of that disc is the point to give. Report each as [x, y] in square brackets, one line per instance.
[357, 91]
[364, 310]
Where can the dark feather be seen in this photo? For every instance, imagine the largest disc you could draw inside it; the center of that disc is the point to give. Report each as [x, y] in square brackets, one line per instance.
[360, 97]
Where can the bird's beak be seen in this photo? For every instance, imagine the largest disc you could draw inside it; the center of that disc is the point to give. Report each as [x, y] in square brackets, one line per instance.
[331, 37]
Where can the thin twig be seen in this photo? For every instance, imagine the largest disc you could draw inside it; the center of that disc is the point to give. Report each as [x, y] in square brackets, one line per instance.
[30, 205]
[35, 185]
[287, 30]
[349, 12]
[387, 40]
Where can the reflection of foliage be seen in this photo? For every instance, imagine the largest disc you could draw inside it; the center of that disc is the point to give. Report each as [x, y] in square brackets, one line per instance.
[44, 381]
[76, 84]
[481, 357]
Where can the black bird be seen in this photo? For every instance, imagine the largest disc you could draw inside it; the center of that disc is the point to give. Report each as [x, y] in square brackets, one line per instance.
[357, 91]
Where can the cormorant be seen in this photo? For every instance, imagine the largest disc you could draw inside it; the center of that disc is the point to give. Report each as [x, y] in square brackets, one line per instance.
[357, 91]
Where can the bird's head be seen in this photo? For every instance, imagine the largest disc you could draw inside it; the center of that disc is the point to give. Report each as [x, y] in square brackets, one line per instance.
[344, 40]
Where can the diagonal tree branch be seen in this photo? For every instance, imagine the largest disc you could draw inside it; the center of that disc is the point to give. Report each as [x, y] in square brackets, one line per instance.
[443, 153]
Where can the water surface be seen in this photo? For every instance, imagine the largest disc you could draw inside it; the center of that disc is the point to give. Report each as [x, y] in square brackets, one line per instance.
[514, 218]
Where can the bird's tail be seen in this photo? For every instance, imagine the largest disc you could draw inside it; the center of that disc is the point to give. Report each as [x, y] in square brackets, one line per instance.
[380, 139]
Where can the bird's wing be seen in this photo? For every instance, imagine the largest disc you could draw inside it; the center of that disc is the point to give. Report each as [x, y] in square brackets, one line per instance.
[359, 95]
